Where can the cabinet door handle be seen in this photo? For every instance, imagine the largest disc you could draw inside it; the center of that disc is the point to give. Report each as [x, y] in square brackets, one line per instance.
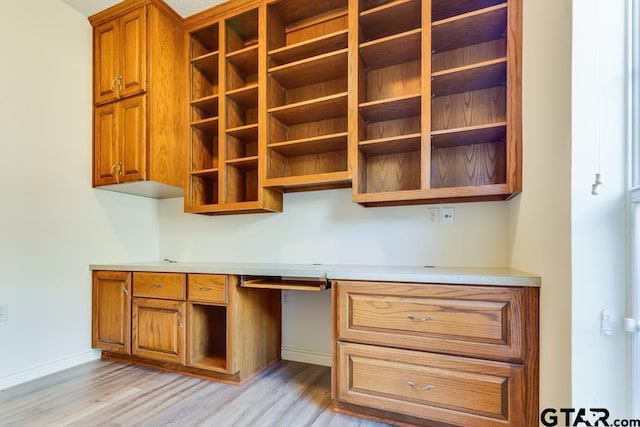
[113, 169]
[412, 384]
[119, 82]
[422, 319]
[124, 287]
[120, 168]
[204, 288]
[113, 83]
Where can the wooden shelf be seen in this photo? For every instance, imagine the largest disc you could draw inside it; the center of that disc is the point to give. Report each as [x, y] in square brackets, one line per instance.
[244, 133]
[468, 78]
[207, 104]
[395, 49]
[205, 173]
[244, 163]
[393, 17]
[246, 96]
[318, 144]
[207, 64]
[230, 208]
[435, 195]
[469, 135]
[392, 108]
[316, 109]
[317, 69]
[245, 60]
[393, 144]
[442, 9]
[207, 125]
[320, 181]
[471, 28]
[312, 47]
[285, 283]
[204, 40]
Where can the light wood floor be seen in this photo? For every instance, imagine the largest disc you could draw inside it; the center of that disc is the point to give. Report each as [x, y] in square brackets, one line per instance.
[104, 393]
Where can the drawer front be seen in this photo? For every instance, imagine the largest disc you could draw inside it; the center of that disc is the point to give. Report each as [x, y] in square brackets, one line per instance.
[208, 288]
[465, 320]
[450, 389]
[159, 285]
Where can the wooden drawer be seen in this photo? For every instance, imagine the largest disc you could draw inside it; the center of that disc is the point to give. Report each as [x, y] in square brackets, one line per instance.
[457, 319]
[208, 288]
[450, 389]
[159, 285]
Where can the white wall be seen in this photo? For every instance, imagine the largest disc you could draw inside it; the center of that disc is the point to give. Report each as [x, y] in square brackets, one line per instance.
[52, 223]
[327, 227]
[598, 222]
[541, 216]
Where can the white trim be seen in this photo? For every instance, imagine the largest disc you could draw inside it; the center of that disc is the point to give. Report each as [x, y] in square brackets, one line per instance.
[305, 356]
[47, 369]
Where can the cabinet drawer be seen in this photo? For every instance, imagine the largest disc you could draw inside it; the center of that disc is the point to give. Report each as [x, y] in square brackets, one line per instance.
[450, 389]
[465, 320]
[159, 285]
[208, 288]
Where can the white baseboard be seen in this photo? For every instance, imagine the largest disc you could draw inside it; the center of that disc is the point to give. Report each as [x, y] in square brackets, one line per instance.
[46, 369]
[304, 356]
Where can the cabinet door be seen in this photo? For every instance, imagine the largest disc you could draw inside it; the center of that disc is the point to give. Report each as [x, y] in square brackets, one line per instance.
[132, 132]
[133, 53]
[106, 61]
[158, 329]
[105, 156]
[111, 312]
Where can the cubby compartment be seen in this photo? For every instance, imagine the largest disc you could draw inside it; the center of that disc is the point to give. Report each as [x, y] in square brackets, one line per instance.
[203, 188]
[380, 19]
[468, 165]
[242, 180]
[204, 150]
[299, 29]
[208, 337]
[389, 171]
[239, 148]
[241, 112]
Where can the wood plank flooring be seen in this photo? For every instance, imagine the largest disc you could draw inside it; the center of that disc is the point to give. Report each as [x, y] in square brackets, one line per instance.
[111, 394]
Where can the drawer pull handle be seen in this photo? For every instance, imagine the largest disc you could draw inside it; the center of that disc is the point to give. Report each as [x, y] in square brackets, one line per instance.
[154, 286]
[422, 319]
[124, 287]
[204, 288]
[413, 385]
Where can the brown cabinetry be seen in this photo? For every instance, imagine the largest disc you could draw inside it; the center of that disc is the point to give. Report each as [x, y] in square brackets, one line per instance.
[139, 99]
[200, 324]
[111, 311]
[456, 354]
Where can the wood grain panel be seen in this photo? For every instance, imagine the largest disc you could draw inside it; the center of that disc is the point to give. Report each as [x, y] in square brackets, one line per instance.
[106, 61]
[207, 288]
[133, 139]
[391, 128]
[159, 285]
[105, 145]
[204, 41]
[133, 68]
[393, 81]
[314, 163]
[469, 109]
[392, 172]
[158, 329]
[477, 164]
[111, 311]
[316, 90]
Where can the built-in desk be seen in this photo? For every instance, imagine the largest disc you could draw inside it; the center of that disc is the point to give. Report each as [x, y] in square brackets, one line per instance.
[412, 344]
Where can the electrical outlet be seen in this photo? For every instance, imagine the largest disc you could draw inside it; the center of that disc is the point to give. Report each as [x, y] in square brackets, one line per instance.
[448, 216]
[4, 314]
[434, 216]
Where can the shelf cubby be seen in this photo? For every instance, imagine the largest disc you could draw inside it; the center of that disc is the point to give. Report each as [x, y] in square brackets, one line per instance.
[241, 114]
[242, 31]
[389, 18]
[209, 125]
[321, 68]
[208, 337]
[468, 165]
[204, 150]
[392, 144]
[238, 148]
[390, 172]
[469, 78]
[325, 107]
[203, 189]
[205, 107]
[488, 106]
[242, 180]
[204, 41]
[471, 28]
[391, 50]
[391, 108]
[443, 9]
[320, 45]
[468, 55]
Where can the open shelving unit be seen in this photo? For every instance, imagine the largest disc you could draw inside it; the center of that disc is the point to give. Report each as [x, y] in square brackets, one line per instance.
[307, 142]
[454, 134]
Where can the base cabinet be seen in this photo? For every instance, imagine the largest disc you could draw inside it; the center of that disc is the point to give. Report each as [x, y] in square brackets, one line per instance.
[198, 324]
[456, 355]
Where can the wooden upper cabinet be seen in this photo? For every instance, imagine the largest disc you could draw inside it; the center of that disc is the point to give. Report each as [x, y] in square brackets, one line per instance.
[120, 57]
[140, 100]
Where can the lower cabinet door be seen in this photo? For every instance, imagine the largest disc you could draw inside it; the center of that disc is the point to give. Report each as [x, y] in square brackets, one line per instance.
[450, 389]
[158, 329]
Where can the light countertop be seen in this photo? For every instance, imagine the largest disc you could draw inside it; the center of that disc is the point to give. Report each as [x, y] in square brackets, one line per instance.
[385, 273]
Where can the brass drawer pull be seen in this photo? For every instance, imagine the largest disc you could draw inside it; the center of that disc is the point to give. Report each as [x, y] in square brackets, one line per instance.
[413, 385]
[423, 319]
[204, 288]
[156, 286]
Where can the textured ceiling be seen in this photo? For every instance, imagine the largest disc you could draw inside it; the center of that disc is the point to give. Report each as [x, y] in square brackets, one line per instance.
[183, 7]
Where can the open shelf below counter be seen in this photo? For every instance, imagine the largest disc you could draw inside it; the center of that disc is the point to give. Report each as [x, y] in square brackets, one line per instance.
[468, 78]
[471, 28]
[312, 47]
[469, 135]
[325, 107]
